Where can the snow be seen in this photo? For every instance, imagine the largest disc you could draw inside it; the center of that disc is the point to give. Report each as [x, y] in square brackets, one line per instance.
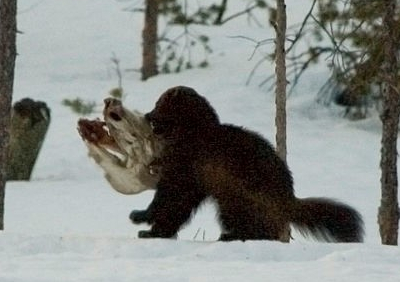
[67, 224]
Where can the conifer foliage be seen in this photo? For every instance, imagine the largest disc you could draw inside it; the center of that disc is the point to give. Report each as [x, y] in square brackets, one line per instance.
[354, 29]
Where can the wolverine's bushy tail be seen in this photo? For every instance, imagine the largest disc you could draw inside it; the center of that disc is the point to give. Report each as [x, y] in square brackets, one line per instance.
[327, 220]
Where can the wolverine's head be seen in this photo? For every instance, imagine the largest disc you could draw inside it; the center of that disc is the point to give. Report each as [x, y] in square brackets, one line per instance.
[181, 111]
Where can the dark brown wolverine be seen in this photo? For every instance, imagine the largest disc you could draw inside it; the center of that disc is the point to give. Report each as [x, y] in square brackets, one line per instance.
[240, 170]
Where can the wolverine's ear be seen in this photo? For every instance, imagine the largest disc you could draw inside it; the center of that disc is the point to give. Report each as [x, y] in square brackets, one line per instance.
[176, 92]
[172, 92]
[180, 91]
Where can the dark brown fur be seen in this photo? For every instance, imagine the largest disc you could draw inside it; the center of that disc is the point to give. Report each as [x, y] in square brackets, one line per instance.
[251, 185]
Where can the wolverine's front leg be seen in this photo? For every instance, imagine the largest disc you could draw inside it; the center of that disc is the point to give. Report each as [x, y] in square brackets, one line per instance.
[139, 216]
[170, 209]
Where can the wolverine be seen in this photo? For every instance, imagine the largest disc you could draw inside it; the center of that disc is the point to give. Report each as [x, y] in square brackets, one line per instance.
[240, 170]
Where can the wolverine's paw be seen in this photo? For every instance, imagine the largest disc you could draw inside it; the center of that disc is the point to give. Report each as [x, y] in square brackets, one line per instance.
[146, 234]
[139, 216]
[155, 234]
[227, 237]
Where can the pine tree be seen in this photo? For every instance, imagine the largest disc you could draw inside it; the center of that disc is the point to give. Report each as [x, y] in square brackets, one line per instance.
[368, 64]
[354, 30]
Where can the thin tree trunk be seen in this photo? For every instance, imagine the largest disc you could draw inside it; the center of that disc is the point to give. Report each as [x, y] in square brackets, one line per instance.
[388, 216]
[280, 70]
[280, 91]
[8, 30]
[149, 35]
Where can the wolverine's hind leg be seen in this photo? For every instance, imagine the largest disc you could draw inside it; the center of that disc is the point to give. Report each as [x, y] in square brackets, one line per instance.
[243, 219]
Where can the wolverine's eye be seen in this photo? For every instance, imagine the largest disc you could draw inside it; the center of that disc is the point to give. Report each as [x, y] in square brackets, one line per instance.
[159, 127]
[155, 126]
[152, 125]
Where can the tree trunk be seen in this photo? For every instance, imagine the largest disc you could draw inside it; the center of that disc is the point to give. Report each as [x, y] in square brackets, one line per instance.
[149, 35]
[388, 215]
[8, 31]
[280, 71]
[280, 91]
[29, 123]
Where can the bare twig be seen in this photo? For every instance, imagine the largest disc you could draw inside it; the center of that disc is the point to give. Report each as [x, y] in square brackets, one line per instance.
[258, 44]
[195, 235]
[117, 69]
[257, 65]
[303, 24]
[238, 14]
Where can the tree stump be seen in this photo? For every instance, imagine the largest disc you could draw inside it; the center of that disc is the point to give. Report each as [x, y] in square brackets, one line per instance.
[29, 123]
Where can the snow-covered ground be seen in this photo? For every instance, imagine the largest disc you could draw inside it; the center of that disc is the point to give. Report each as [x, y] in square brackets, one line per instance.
[67, 224]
